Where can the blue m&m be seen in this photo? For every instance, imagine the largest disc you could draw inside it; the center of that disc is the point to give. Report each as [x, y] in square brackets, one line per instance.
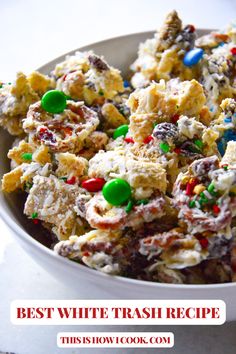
[126, 84]
[229, 135]
[221, 145]
[193, 56]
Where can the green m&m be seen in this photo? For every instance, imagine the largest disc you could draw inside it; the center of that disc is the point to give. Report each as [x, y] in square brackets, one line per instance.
[199, 144]
[27, 156]
[54, 101]
[116, 191]
[164, 147]
[122, 130]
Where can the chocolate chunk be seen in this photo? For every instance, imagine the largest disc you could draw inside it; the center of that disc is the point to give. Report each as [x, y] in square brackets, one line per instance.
[165, 131]
[97, 63]
[204, 166]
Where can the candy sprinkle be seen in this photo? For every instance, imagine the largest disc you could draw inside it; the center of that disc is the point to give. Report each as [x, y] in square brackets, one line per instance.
[129, 206]
[225, 167]
[204, 198]
[216, 209]
[164, 147]
[27, 156]
[189, 189]
[208, 195]
[142, 201]
[211, 187]
[192, 204]
[190, 186]
[199, 188]
[34, 215]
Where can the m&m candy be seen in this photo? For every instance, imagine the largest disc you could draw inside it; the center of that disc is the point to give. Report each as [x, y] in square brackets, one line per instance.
[175, 118]
[116, 191]
[164, 147]
[27, 156]
[233, 51]
[122, 130]
[193, 57]
[229, 135]
[198, 143]
[93, 184]
[126, 84]
[71, 180]
[148, 139]
[221, 147]
[53, 101]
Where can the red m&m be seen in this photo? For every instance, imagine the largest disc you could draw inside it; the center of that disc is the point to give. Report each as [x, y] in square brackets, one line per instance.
[93, 184]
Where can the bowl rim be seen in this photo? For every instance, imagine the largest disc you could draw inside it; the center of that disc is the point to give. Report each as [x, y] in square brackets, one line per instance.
[104, 41]
[93, 274]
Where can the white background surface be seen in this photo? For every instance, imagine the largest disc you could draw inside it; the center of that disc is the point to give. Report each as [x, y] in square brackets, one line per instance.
[32, 33]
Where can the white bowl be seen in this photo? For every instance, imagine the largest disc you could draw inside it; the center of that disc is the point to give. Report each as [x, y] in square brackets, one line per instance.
[120, 52]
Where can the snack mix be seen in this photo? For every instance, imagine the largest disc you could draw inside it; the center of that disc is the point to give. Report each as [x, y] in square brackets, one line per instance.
[133, 177]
